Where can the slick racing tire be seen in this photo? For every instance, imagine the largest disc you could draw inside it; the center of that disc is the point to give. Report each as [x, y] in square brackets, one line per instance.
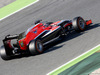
[3, 53]
[78, 24]
[36, 47]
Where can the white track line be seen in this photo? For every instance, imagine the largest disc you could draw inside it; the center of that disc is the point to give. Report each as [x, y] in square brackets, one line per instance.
[19, 10]
[72, 60]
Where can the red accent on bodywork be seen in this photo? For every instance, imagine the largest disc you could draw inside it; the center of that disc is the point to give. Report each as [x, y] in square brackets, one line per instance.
[55, 23]
[53, 28]
[34, 32]
[68, 24]
[9, 43]
[31, 35]
[24, 47]
[38, 29]
[88, 22]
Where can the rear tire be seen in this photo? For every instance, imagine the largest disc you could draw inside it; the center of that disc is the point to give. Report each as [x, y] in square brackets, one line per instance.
[36, 47]
[79, 24]
[3, 53]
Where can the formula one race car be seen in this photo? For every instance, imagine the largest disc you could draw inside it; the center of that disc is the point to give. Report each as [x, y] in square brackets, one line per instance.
[38, 36]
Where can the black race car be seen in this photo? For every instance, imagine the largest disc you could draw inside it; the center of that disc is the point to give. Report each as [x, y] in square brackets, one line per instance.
[38, 36]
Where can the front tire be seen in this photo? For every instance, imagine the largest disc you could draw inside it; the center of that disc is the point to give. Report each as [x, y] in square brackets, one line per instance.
[79, 24]
[3, 53]
[36, 47]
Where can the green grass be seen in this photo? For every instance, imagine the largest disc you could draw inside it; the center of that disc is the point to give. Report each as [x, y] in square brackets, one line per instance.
[63, 68]
[11, 8]
[93, 63]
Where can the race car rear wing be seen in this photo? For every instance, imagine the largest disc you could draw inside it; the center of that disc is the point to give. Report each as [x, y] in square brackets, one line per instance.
[7, 41]
[9, 37]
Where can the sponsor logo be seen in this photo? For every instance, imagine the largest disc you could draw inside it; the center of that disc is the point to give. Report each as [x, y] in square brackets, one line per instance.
[22, 44]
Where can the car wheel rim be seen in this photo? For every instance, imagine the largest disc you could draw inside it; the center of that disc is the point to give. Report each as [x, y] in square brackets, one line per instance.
[81, 23]
[39, 46]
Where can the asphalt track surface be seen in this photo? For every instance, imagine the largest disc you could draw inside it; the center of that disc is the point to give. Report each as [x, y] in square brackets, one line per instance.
[61, 52]
[5, 2]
